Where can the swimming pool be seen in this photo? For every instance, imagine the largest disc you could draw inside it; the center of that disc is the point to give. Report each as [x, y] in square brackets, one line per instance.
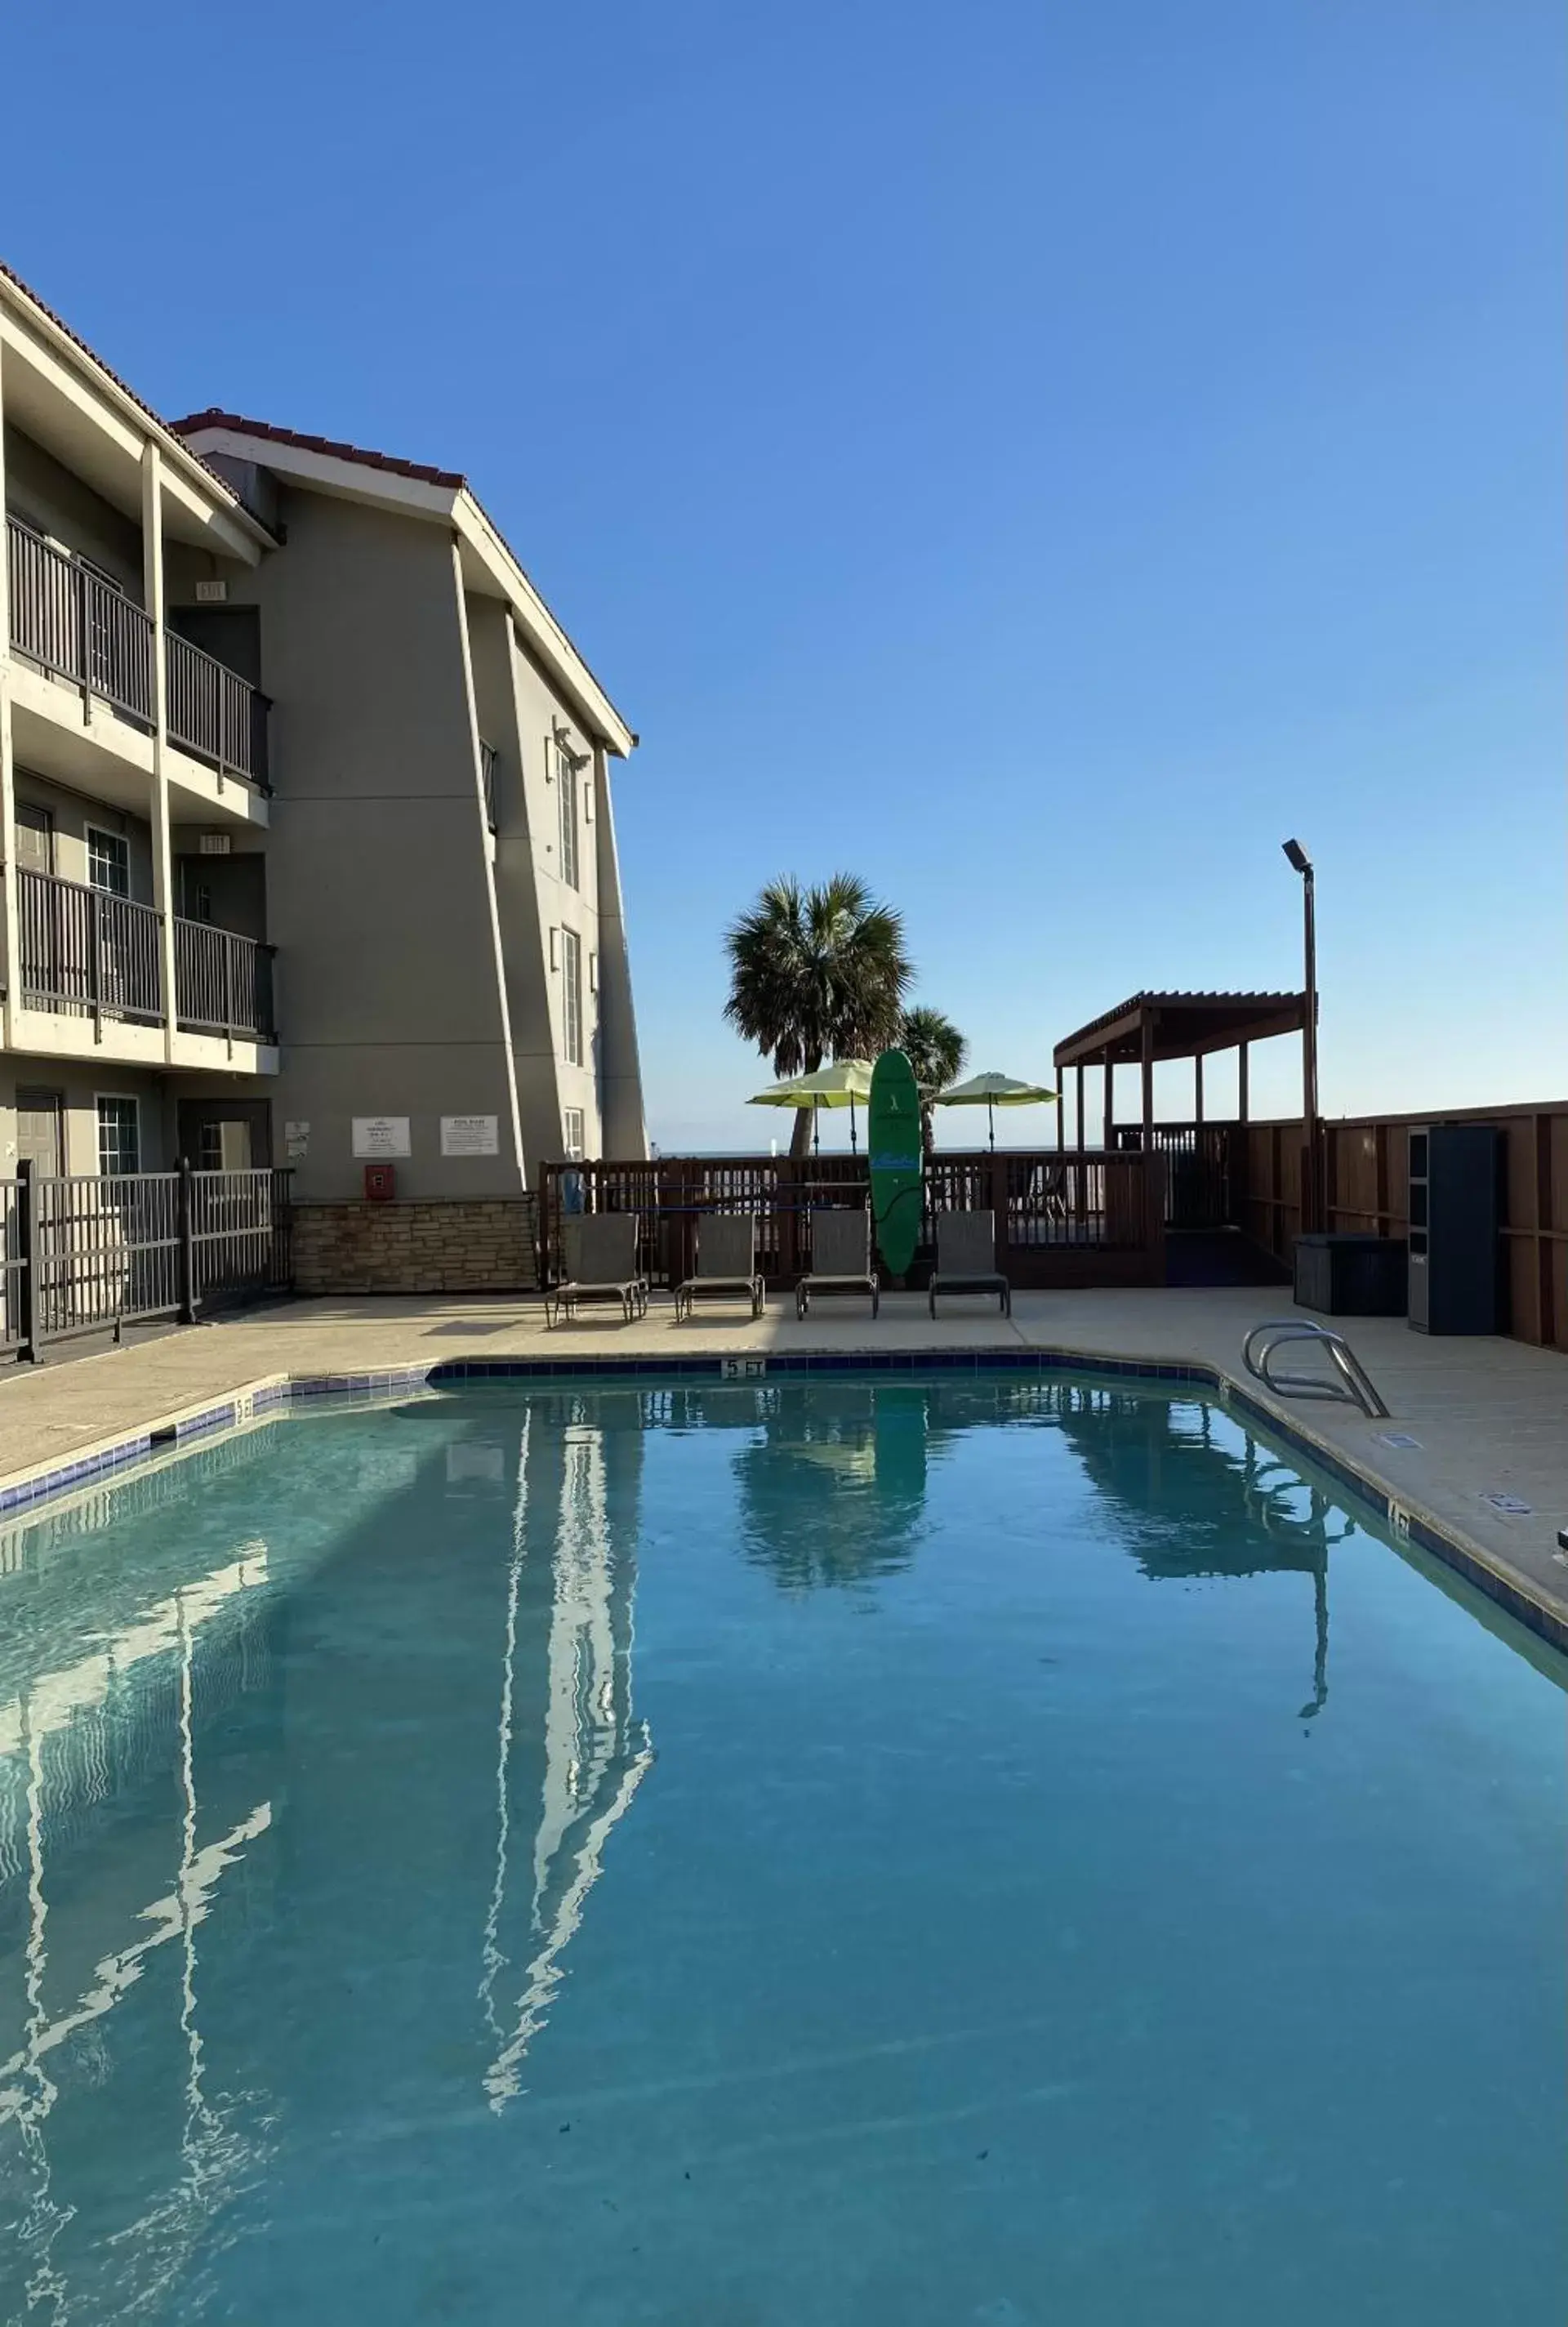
[841, 1851]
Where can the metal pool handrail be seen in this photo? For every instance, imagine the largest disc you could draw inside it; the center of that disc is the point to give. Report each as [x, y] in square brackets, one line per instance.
[1353, 1387]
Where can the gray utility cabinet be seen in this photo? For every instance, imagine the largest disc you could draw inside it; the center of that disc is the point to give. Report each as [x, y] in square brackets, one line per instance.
[1456, 1212]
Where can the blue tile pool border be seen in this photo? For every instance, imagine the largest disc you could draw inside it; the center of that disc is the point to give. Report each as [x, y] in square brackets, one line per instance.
[38, 1487]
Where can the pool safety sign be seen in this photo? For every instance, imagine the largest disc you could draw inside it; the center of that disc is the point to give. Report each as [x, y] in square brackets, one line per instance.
[471, 1135]
[381, 1135]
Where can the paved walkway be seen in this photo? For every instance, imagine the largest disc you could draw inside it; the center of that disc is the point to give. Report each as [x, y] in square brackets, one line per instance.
[1491, 1416]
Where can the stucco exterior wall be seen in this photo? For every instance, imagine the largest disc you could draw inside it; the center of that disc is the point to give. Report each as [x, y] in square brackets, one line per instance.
[39, 489]
[378, 893]
[536, 1065]
[558, 903]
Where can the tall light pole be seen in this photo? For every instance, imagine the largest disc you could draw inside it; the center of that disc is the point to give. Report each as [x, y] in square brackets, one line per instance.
[1302, 863]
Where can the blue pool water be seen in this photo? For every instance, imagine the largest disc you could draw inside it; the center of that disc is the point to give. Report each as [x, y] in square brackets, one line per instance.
[886, 1854]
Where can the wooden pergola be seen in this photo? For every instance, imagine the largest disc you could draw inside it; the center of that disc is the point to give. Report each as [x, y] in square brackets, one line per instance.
[1154, 1026]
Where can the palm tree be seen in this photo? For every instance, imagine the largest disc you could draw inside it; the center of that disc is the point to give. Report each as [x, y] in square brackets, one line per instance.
[936, 1052]
[814, 975]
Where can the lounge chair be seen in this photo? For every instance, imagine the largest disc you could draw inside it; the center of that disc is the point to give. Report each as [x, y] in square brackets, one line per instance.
[966, 1259]
[841, 1259]
[601, 1265]
[726, 1261]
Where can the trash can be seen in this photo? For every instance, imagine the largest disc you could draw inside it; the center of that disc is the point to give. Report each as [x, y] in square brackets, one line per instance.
[1352, 1276]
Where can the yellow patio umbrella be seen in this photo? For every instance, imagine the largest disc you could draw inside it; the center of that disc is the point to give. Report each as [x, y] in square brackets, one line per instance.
[992, 1091]
[839, 1085]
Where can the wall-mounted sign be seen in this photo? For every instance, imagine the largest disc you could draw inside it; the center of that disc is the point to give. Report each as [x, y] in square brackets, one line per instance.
[296, 1142]
[469, 1134]
[214, 843]
[211, 594]
[381, 1134]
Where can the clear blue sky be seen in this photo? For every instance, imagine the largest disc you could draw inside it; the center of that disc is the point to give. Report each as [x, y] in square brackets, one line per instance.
[1036, 455]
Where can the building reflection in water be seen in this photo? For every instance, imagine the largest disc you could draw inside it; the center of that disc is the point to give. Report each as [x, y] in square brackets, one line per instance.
[594, 1753]
[212, 1789]
[80, 1739]
[237, 1766]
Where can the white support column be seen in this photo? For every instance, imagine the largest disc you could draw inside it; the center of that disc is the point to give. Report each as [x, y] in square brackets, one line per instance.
[623, 1128]
[10, 917]
[514, 1115]
[163, 842]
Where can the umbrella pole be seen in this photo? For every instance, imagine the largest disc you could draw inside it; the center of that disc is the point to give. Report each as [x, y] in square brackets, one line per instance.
[991, 1118]
[852, 1139]
[816, 1128]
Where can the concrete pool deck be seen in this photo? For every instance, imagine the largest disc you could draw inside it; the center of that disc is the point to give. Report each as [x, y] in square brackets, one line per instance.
[1489, 1417]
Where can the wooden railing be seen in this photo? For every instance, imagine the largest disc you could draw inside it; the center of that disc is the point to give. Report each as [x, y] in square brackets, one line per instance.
[1061, 1219]
[1197, 1192]
[1364, 1171]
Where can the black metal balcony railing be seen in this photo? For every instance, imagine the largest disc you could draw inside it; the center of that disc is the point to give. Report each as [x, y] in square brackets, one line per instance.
[223, 982]
[88, 953]
[214, 713]
[73, 623]
[85, 952]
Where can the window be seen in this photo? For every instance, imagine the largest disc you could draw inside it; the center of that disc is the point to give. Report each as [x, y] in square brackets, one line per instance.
[572, 995]
[223, 1147]
[571, 1132]
[567, 778]
[109, 861]
[487, 776]
[119, 1136]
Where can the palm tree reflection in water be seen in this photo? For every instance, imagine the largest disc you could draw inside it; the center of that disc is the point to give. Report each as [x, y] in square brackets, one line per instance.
[833, 1482]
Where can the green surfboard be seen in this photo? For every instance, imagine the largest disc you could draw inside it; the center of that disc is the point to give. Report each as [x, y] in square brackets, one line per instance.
[892, 1141]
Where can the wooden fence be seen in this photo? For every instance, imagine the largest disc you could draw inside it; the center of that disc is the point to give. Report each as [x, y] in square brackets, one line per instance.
[1365, 1171]
[1197, 1155]
[1061, 1219]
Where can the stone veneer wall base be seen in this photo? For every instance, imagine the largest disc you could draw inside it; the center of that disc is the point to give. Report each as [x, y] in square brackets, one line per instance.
[484, 1246]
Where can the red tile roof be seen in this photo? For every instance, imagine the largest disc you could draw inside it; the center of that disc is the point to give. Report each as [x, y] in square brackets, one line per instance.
[221, 483]
[264, 431]
[213, 417]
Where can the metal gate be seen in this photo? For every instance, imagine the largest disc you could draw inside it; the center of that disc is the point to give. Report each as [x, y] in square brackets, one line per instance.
[90, 1255]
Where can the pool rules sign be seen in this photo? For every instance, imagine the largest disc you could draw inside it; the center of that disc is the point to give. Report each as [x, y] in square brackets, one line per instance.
[471, 1135]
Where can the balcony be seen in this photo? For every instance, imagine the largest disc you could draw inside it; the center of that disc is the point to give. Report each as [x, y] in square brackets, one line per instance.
[75, 625]
[223, 982]
[214, 714]
[88, 953]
